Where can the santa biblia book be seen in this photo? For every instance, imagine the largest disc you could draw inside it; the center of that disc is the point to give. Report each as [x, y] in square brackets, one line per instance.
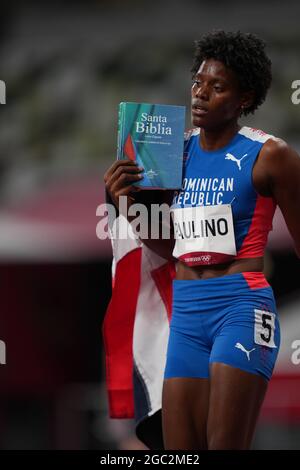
[153, 136]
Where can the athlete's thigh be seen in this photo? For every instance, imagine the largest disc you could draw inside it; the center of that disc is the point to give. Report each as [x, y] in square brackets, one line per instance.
[242, 360]
[184, 412]
[235, 400]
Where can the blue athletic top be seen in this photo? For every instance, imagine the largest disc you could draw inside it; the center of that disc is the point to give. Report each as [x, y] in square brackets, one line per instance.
[224, 176]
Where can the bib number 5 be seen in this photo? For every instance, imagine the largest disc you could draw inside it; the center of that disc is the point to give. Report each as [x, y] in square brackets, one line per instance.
[264, 328]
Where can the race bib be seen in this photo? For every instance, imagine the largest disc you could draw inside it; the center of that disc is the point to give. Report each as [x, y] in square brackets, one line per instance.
[204, 234]
[264, 328]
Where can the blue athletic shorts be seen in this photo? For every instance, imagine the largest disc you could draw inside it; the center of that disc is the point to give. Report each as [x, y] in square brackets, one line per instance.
[230, 319]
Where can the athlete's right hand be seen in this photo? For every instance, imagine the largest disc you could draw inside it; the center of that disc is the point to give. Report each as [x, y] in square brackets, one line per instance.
[119, 180]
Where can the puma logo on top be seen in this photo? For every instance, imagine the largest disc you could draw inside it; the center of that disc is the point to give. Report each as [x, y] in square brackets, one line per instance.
[231, 157]
[242, 348]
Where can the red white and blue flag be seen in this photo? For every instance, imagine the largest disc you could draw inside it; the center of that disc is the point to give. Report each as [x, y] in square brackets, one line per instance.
[136, 331]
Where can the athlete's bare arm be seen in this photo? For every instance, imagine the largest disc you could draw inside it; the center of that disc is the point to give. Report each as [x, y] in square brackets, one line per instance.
[277, 174]
[119, 181]
[161, 246]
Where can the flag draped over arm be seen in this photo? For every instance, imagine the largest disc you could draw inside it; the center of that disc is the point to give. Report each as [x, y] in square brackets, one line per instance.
[135, 332]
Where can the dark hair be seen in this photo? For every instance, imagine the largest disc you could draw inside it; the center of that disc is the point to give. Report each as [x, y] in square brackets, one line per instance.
[244, 54]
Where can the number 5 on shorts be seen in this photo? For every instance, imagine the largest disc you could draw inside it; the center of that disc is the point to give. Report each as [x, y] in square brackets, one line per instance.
[264, 328]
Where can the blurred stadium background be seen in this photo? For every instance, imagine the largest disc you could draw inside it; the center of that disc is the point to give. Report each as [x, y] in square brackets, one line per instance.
[66, 67]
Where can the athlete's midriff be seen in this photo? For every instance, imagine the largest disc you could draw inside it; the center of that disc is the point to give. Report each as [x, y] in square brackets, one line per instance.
[184, 272]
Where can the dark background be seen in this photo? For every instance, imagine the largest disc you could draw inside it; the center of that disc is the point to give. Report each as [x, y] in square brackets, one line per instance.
[66, 66]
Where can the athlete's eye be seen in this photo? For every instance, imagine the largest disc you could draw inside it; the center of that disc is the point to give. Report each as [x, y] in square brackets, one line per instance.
[218, 88]
[196, 83]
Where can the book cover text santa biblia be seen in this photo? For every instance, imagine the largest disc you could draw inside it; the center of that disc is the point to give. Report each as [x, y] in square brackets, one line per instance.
[153, 136]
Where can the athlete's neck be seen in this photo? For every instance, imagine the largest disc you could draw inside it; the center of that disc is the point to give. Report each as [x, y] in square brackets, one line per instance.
[213, 139]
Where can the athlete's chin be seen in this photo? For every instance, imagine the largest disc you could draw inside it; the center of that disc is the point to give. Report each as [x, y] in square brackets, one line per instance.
[201, 121]
[198, 121]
